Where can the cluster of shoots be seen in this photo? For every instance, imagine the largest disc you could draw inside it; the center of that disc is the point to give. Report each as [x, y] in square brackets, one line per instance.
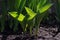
[29, 13]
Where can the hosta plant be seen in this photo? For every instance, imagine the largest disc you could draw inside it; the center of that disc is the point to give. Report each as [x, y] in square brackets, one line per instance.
[33, 15]
[15, 5]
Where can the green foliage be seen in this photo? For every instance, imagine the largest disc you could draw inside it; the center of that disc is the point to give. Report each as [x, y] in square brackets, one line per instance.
[14, 14]
[13, 5]
[29, 13]
[44, 8]
[32, 15]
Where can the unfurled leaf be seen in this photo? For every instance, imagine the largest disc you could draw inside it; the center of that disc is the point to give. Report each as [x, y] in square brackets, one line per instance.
[45, 8]
[13, 14]
[21, 17]
[30, 13]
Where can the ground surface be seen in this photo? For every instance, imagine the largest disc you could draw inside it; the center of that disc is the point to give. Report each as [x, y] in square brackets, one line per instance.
[45, 33]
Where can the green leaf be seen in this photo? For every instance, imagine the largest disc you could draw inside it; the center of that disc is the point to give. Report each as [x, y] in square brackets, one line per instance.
[21, 17]
[17, 3]
[44, 2]
[22, 4]
[45, 8]
[30, 13]
[13, 14]
[41, 3]
[13, 4]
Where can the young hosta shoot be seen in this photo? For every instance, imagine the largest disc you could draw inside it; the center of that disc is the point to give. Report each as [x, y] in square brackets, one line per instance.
[38, 16]
[34, 17]
[45, 8]
[30, 13]
[31, 18]
[13, 5]
[41, 8]
[20, 17]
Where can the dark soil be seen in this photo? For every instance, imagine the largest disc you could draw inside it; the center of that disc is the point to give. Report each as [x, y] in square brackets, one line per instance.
[44, 33]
